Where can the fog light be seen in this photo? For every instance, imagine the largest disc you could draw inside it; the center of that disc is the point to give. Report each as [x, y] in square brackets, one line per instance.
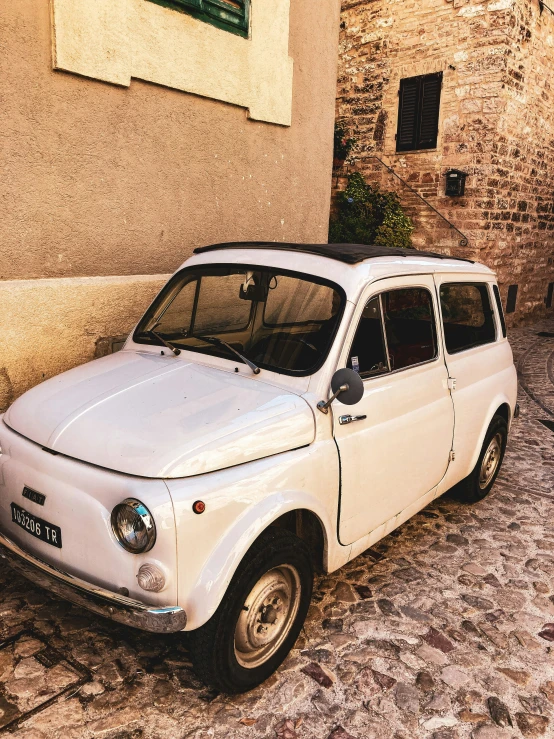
[151, 578]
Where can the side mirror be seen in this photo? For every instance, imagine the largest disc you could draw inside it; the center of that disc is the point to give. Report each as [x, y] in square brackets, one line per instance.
[346, 383]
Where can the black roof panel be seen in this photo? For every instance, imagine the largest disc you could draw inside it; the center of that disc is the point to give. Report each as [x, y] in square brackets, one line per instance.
[347, 253]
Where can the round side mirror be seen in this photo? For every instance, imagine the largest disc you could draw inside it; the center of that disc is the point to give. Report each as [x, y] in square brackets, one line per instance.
[355, 390]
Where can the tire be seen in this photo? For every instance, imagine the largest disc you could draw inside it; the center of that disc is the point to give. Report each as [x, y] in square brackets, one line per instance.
[240, 647]
[478, 484]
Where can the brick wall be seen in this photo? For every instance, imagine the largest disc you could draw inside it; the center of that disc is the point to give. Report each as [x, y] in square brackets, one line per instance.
[496, 124]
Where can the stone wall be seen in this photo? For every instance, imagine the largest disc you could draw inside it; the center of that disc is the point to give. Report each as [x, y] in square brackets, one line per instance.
[495, 124]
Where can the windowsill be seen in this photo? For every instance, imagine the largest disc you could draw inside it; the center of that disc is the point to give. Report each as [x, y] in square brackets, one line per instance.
[414, 151]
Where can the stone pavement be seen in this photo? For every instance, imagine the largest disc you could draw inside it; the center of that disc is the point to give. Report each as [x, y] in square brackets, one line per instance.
[438, 632]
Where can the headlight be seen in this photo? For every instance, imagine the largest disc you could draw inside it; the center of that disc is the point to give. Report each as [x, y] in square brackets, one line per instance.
[133, 525]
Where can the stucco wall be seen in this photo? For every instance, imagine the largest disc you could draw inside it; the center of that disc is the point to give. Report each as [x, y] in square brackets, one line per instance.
[101, 180]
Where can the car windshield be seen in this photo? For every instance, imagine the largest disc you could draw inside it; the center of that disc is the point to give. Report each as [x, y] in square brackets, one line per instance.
[279, 320]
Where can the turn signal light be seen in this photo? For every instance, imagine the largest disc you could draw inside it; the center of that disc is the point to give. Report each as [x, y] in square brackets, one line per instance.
[151, 578]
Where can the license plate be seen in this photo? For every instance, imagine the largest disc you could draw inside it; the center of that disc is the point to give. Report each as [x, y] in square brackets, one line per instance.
[37, 527]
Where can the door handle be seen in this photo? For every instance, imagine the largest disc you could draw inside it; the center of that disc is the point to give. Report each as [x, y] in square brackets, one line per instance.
[350, 419]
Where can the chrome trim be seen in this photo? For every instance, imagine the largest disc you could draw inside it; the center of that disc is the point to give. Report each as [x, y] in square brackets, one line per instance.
[159, 620]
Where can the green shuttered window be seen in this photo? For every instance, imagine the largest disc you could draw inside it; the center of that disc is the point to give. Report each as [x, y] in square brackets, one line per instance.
[231, 15]
[418, 112]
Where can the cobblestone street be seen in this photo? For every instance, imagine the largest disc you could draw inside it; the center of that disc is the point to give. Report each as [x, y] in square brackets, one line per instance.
[444, 630]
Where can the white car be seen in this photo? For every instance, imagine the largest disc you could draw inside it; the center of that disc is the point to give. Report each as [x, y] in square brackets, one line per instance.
[278, 408]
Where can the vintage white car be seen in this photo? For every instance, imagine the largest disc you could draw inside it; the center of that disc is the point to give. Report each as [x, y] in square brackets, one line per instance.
[278, 408]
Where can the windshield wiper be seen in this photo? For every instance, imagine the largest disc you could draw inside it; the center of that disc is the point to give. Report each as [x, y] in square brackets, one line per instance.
[219, 342]
[164, 341]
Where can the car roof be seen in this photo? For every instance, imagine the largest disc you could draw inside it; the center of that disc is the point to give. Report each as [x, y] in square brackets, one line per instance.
[347, 253]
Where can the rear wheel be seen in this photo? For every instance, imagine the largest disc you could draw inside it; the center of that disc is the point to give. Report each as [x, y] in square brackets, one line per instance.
[478, 484]
[260, 616]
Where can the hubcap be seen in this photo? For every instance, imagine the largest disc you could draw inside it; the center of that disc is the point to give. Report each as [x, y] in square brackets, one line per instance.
[490, 462]
[267, 616]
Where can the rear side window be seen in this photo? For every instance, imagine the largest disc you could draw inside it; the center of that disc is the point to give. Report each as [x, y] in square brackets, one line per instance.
[496, 292]
[396, 331]
[467, 316]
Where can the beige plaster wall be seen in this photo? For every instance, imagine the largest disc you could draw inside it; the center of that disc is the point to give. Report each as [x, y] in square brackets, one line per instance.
[101, 180]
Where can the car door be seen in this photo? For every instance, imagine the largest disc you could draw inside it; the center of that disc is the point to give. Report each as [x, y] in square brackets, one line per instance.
[395, 443]
[478, 357]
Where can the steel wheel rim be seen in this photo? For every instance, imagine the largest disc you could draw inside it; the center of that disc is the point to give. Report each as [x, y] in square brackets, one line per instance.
[267, 616]
[491, 461]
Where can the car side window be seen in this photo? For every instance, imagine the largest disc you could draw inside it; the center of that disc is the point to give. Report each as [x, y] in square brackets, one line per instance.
[409, 327]
[368, 354]
[467, 316]
[396, 330]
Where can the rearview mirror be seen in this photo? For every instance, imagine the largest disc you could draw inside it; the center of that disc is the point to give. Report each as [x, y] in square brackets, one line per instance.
[346, 383]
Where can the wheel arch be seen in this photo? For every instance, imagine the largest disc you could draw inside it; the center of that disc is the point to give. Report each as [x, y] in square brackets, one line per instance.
[299, 513]
[499, 406]
[307, 525]
[505, 411]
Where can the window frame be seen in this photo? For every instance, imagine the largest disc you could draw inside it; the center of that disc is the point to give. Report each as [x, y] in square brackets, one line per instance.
[213, 12]
[389, 372]
[476, 283]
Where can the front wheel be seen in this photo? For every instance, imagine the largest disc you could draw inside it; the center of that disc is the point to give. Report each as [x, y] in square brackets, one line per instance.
[478, 484]
[260, 616]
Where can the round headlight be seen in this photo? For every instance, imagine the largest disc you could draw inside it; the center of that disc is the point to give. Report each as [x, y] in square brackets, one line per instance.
[133, 526]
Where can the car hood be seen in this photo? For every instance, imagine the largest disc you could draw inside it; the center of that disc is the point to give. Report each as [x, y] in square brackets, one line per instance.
[162, 417]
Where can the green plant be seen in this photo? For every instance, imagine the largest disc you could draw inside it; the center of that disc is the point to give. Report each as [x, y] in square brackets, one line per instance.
[343, 144]
[366, 215]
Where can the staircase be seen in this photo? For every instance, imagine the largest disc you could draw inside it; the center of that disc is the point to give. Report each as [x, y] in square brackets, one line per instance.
[433, 231]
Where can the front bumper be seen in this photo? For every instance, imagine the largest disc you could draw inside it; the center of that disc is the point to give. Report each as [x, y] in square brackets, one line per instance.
[164, 620]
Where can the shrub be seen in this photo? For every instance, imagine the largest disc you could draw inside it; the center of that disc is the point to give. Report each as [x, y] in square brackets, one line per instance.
[366, 215]
[342, 143]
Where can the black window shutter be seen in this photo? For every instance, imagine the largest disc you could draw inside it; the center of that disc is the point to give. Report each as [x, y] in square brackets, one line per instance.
[430, 107]
[408, 114]
[418, 113]
[512, 299]
[549, 294]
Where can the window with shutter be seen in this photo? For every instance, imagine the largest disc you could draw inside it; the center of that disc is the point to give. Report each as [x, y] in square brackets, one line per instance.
[230, 15]
[418, 112]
